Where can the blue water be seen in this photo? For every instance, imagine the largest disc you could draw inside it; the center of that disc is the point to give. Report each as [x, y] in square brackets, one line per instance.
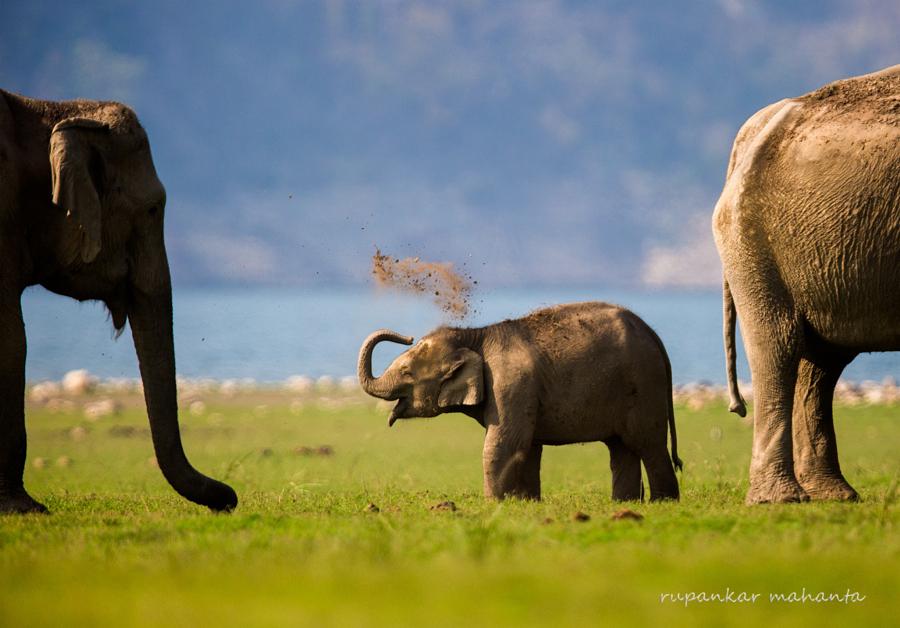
[269, 334]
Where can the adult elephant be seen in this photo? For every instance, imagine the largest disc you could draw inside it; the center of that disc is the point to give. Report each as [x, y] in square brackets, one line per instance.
[81, 213]
[808, 229]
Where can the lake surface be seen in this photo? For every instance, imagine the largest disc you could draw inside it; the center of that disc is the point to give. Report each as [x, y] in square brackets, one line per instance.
[272, 334]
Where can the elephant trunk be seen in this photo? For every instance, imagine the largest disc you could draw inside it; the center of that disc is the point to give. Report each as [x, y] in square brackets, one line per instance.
[150, 314]
[382, 387]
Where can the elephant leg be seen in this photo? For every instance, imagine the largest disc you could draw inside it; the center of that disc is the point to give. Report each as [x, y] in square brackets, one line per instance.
[626, 472]
[530, 487]
[815, 446]
[13, 498]
[774, 357]
[505, 459]
[660, 473]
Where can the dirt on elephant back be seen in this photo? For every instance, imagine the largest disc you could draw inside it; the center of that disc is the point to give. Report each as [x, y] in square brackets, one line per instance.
[877, 95]
[450, 290]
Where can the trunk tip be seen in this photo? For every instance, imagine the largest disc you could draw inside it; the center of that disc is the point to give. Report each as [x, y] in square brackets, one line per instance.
[738, 408]
[223, 500]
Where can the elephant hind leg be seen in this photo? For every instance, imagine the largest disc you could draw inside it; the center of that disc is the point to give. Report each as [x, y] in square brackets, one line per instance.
[774, 340]
[530, 485]
[625, 465]
[815, 446]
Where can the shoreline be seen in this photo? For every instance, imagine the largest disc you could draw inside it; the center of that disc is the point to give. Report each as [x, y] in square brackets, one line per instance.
[80, 383]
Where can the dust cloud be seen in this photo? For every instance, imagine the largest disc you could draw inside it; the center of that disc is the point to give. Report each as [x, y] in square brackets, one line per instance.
[450, 290]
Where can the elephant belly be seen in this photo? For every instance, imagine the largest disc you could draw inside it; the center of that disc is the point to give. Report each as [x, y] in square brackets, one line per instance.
[851, 326]
[844, 273]
[850, 300]
[617, 399]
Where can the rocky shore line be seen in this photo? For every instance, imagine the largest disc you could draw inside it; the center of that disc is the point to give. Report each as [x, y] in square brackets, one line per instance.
[885, 392]
[98, 396]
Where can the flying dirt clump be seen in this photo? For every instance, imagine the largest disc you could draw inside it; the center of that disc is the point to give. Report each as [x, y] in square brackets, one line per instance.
[451, 291]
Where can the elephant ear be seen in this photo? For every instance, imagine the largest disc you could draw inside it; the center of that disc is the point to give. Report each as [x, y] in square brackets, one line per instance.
[463, 381]
[72, 159]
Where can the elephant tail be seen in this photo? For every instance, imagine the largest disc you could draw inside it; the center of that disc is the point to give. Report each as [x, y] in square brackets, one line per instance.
[676, 461]
[737, 404]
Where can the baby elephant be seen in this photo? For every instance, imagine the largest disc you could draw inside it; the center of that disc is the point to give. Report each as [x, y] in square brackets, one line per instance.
[572, 373]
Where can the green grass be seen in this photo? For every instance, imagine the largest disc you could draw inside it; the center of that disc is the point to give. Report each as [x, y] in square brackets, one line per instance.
[122, 549]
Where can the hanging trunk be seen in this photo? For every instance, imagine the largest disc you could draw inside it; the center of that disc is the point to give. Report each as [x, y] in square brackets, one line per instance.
[151, 326]
[382, 387]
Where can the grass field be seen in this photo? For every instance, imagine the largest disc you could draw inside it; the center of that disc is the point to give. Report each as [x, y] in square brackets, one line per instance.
[122, 549]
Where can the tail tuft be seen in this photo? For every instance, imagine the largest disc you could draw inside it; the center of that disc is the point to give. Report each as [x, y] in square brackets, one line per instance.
[679, 465]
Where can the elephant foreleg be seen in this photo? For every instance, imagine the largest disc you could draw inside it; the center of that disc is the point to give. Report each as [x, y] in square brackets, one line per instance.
[815, 446]
[13, 497]
[507, 462]
[626, 472]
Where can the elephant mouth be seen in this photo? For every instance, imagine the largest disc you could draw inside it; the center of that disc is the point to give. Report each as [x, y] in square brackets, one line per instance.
[399, 412]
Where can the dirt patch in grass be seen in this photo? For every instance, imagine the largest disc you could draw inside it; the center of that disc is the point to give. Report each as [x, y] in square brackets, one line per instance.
[445, 505]
[320, 450]
[626, 514]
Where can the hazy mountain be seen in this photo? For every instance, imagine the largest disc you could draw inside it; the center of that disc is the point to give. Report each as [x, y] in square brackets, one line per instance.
[537, 142]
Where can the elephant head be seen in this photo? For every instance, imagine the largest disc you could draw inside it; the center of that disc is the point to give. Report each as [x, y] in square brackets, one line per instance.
[434, 376]
[107, 239]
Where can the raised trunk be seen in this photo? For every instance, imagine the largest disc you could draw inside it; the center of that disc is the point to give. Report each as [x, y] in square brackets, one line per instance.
[382, 387]
[151, 326]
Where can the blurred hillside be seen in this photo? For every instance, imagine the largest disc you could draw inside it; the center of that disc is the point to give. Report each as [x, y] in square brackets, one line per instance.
[536, 142]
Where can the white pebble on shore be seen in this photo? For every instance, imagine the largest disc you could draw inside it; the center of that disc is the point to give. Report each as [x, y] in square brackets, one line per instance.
[79, 382]
[326, 382]
[42, 392]
[299, 383]
[228, 387]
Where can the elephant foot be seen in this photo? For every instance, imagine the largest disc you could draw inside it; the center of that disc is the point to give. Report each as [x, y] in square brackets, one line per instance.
[829, 488]
[663, 497]
[516, 493]
[20, 504]
[776, 492]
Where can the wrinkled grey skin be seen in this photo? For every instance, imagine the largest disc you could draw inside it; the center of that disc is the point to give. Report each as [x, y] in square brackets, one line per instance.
[808, 229]
[572, 373]
[81, 213]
